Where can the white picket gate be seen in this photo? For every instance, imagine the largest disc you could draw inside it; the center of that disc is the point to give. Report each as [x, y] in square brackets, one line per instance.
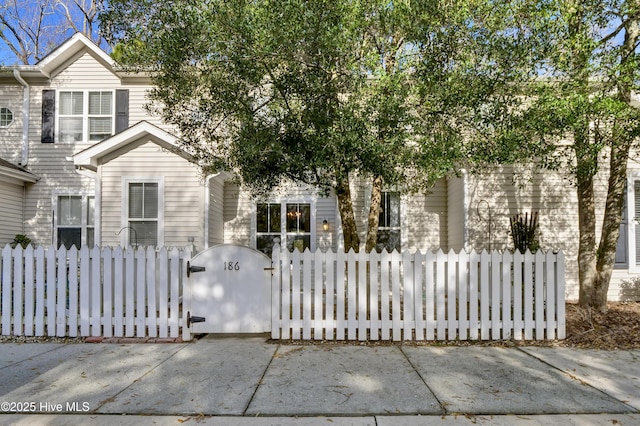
[91, 292]
[418, 296]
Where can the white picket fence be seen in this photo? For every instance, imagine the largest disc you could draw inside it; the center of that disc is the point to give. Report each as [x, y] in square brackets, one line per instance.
[91, 292]
[315, 296]
[418, 296]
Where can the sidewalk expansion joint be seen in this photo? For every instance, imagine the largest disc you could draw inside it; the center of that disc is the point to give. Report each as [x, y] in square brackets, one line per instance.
[264, 373]
[442, 405]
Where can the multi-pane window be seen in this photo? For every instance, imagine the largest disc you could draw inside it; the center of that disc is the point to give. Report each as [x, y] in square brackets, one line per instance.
[298, 226]
[6, 117]
[291, 223]
[269, 226]
[389, 222]
[100, 115]
[85, 116]
[143, 214]
[75, 221]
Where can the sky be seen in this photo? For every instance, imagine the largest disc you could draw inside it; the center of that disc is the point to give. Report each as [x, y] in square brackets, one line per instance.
[55, 27]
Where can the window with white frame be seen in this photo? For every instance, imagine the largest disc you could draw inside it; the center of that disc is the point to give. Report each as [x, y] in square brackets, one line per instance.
[85, 116]
[289, 222]
[6, 117]
[74, 221]
[389, 229]
[143, 213]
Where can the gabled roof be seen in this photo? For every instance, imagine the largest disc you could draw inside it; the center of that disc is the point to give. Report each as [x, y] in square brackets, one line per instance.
[10, 170]
[143, 131]
[68, 49]
[48, 65]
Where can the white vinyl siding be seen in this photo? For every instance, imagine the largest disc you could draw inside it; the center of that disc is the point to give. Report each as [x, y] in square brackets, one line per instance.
[181, 205]
[237, 216]
[11, 97]
[424, 219]
[455, 214]
[216, 204]
[53, 160]
[11, 196]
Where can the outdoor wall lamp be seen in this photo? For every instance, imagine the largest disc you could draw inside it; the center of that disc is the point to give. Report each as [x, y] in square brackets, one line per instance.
[325, 225]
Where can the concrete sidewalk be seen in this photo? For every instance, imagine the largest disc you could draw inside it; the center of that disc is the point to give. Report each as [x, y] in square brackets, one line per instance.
[247, 380]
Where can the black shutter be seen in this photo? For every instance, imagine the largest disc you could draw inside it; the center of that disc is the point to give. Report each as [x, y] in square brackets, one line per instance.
[122, 110]
[48, 116]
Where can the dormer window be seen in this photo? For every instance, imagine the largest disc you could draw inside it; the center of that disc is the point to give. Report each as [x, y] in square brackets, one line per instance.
[85, 116]
[6, 117]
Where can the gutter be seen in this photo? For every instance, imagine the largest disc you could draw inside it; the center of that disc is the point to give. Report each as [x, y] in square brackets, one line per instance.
[25, 118]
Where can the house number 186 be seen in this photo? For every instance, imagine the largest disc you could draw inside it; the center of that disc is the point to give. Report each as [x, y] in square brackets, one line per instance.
[231, 266]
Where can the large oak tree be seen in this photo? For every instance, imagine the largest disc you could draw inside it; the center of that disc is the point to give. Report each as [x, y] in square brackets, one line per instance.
[579, 116]
[318, 92]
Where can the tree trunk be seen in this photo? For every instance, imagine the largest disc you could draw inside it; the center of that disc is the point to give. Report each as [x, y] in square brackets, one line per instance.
[345, 206]
[374, 214]
[610, 225]
[587, 273]
[596, 268]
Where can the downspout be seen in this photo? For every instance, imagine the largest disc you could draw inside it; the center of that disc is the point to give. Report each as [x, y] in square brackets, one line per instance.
[25, 118]
[97, 214]
[207, 207]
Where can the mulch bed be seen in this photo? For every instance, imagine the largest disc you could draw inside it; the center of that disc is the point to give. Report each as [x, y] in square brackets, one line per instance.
[618, 328]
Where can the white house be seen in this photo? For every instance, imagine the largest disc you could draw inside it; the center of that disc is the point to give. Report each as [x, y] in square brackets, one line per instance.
[82, 162]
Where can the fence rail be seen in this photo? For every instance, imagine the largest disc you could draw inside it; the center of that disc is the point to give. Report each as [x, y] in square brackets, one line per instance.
[420, 296]
[91, 292]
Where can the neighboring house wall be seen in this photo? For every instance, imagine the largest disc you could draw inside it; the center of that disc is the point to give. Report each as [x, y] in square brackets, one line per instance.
[13, 183]
[11, 197]
[182, 190]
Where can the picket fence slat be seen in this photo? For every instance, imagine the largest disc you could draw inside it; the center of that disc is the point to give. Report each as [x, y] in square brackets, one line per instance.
[415, 296]
[118, 292]
[29, 292]
[73, 292]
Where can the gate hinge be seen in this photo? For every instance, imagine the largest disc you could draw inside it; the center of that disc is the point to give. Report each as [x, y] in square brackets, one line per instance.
[192, 268]
[192, 319]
